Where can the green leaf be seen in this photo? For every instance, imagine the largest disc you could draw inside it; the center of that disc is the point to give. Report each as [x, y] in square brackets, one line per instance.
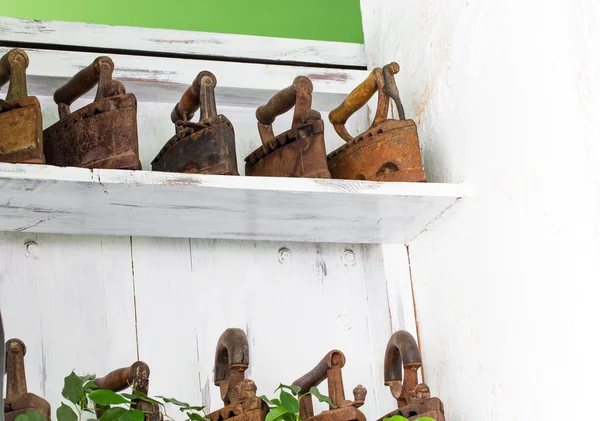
[196, 417]
[65, 413]
[132, 415]
[191, 408]
[289, 402]
[89, 386]
[106, 397]
[174, 401]
[273, 402]
[276, 413]
[30, 416]
[289, 417]
[112, 414]
[73, 388]
[293, 388]
[322, 398]
[87, 377]
[142, 397]
[398, 418]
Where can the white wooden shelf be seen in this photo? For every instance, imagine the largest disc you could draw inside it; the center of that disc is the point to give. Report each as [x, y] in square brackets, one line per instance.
[113, 202]
[189, 43]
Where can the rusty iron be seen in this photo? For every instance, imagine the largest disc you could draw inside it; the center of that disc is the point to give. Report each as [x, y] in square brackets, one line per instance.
[206, 147]
[389, 150]
[330, 368]
[414, 400]
[137, 376]
[18, 401]
[237, 392]
[102, 134]
[298, 152]
[21, 138]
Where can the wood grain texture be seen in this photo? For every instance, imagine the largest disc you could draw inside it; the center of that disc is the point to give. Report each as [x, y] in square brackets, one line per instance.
[158, 79]
[181, 42]
[296, 301]
[70, 299]
[81, 201]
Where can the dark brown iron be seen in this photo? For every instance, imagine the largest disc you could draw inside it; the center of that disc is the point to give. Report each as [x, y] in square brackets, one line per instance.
[237, 392]
[414, 400]
[389, 150]
[20, 115]
[330, 368]
[138, 378]
[298, 152]
[102, 134]
[18, 401]
[206, 147]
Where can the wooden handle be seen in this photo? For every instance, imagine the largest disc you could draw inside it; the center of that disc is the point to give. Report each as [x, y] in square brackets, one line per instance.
[355, 100]
[12, 67]
[315, 376]
[201, 92]
[84, 81]
[282, 101]
[116, 380]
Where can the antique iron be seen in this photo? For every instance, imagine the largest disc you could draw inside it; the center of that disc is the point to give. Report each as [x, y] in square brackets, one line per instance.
[102, 134]
[389, 150]
[414, 399]
[20, 115]
[237, 392]
[330, 368]
[18, 401]
[206, 147]
[298, 152]
[138, 378]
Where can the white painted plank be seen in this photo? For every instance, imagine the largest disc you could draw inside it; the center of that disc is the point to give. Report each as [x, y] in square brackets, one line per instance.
[182, 42]
[294, 307]
[157, 79]
[70, 299]
[81, 201]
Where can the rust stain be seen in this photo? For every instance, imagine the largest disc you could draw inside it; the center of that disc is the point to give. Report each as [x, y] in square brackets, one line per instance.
[337, 77]
[424, 100]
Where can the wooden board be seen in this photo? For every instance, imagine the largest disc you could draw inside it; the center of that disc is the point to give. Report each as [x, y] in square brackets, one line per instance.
[295, 301]
[81, 201]
[70, 300]
[167, 41]
[158, 79]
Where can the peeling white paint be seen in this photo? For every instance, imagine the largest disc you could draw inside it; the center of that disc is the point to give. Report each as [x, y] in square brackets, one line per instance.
[506, 96]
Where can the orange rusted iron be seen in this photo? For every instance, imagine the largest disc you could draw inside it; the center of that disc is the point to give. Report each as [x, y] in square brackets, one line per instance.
[137, 376]
[18, 401]
[389, 150]
[206, 147]
[237, 392]
[330, 368]
[20, 115]
[102, 134]
[298, 152]
[414, 400]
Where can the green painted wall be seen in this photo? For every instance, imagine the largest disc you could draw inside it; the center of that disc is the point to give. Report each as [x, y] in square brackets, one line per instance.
[326, 20]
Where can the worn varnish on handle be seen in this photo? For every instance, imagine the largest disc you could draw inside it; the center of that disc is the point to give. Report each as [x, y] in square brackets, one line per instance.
[18, 401]
[20, 115]
[102, 134]
[298, 152]
[414, 400]
[389, 150]
[330, 368]
[238, 393]
[137, 376]
[205, 147]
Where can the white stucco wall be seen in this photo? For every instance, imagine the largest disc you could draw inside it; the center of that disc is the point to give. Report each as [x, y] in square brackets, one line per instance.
[506, 95]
